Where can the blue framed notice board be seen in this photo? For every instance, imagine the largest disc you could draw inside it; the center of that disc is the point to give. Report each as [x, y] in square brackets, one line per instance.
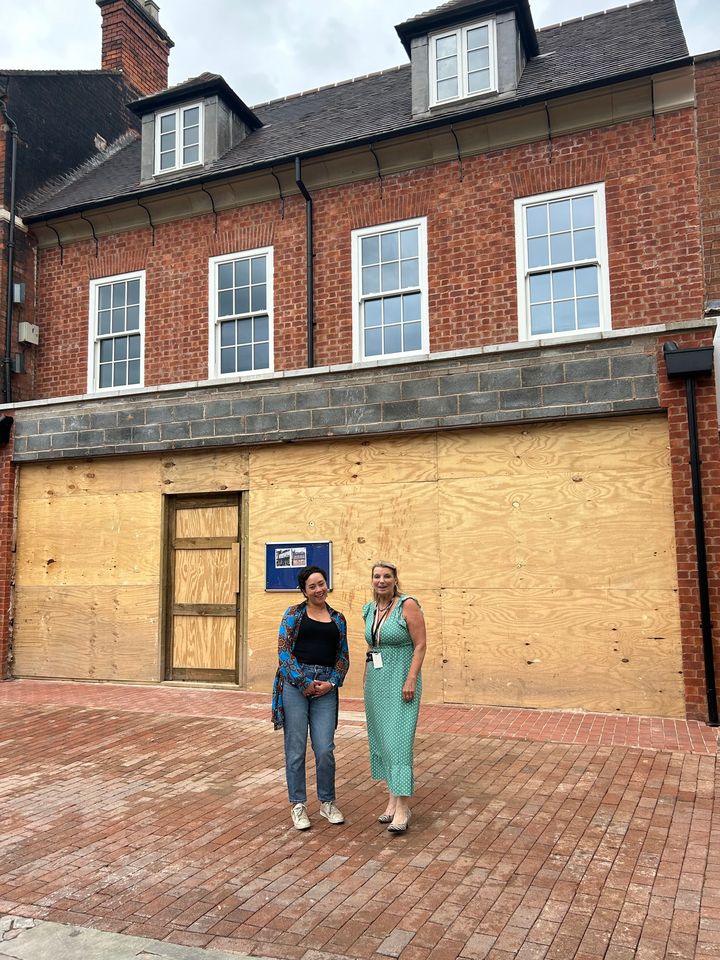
[284, 561]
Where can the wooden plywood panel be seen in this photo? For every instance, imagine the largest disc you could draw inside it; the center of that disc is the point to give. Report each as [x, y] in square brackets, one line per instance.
[596, 650]
[207, 522]
[633, 445]
[89, 540]
[205, 576]
[85, 478]
[94, 633]
[354, 462]
[548, 530]
[218, 471]
[386, 521]
[204, 643]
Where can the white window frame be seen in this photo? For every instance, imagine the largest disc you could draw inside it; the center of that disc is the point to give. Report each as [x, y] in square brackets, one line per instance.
[523, 272]
[95, 338]
[178, 113]
[215, 321]
[460, 33]
[358, 299]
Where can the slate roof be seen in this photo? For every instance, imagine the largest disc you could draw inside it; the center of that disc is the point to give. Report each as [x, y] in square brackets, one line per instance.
[587, 51]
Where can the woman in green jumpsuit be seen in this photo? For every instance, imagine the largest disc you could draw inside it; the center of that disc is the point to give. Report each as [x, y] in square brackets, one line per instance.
[395, 633]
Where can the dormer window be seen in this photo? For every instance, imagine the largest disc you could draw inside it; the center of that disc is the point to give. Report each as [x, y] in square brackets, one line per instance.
[462, 62]
[178, 138]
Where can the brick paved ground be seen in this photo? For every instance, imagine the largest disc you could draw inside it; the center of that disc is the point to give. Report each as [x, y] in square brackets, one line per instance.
[162, 813]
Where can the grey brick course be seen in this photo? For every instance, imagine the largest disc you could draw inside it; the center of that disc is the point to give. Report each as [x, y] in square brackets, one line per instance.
[572, 380]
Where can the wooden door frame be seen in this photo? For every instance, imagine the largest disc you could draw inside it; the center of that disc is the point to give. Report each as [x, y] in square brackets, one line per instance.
[167, 585]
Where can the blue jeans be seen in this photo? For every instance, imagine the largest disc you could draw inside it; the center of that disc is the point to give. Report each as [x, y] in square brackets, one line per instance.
[319, 715]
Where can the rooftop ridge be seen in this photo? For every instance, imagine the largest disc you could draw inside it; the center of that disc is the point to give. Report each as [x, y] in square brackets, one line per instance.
[330, 86]
[22, 72]
[597, 13]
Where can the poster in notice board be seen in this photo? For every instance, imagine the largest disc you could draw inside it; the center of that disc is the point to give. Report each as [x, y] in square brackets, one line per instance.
[284, 561]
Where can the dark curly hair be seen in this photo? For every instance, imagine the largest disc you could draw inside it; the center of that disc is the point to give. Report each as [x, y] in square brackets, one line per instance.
[307, 572]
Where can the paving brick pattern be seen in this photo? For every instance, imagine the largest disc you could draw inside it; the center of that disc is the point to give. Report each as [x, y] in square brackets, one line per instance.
[161, 812]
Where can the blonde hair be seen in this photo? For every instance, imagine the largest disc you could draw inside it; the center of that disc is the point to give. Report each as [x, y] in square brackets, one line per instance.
[388, 566]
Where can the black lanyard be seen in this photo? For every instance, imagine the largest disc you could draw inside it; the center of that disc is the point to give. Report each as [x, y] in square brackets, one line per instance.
[377, 624]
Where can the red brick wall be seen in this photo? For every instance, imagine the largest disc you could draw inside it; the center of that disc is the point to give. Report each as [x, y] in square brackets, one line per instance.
[653, 235]
[7, 480]
[131, 44]
[707, 84]
[673, 397]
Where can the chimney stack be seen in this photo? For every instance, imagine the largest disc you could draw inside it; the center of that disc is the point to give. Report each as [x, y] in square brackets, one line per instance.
[134, 43]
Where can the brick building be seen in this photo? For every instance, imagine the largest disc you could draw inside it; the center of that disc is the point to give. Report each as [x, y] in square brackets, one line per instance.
[418, 315]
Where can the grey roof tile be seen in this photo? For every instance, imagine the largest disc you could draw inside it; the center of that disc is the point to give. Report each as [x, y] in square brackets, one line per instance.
[592, 49]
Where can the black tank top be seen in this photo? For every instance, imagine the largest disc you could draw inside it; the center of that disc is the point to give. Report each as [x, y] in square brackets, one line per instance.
[317, 642]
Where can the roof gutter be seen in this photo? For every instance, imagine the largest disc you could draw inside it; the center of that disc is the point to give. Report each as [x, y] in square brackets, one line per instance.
[309, 261]
[432, 124]
[7, 358]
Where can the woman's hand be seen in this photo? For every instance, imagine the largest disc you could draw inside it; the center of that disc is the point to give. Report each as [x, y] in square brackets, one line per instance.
[322, 687]
[310, 690]
[408, 690]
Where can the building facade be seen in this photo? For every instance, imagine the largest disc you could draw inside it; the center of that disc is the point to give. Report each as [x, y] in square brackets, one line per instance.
[419, 316]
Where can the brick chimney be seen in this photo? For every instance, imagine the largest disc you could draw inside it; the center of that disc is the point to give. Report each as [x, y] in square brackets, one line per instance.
[134, 42]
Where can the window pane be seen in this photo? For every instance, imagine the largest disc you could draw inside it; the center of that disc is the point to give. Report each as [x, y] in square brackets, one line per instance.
[167, 122]
[477, 37]
[446, 46]
[412, 336]
[258, 270]
[371, 280]
[262, 328]
[121, 348]
[390, 276]
[563, 284]
[104, 322]
[118, 294]
[478, 81]
[540, 319]
[559, 216]
[262, 356]
[373, 342]
[586, 281]
[191, 136]
[191, 117]
[134, 348]
[104, 294]
[119, 375]
[373, 313]
[540, 288]
[446, 89]
[106, 351]
[227, 334]
[409, 242]
[225, 275]
[225, 303]
[242, 273]
[134, 371]
[244, 358]
[167, 161]
[538, 252]
[585, 245]
[370, 250]
[167, 143]
[536, 219]
[227, 360]
[259, 297]
[447, 68]
[191, 154]
[393, 341]
[588, 312]
[133, 291]
[244, 331]
[564, 316]
[391, 310]
[410, 273]
[583, 210]
[411, 306]
[561, 248]
[389, 247]
[479, 59]
[133, 318]
[118, 320]
[242, 300]
[105, 375]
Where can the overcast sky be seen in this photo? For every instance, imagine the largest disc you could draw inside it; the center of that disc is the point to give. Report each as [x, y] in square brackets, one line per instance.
[271, 48]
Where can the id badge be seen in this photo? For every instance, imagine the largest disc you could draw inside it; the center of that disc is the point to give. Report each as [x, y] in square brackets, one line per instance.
[377, 659]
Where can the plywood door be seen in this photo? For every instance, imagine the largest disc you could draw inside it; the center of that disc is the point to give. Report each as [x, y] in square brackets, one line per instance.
[204, 589]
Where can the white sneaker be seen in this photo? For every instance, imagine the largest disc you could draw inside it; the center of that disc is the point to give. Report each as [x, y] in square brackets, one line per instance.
[299, 816]
[331, 813]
